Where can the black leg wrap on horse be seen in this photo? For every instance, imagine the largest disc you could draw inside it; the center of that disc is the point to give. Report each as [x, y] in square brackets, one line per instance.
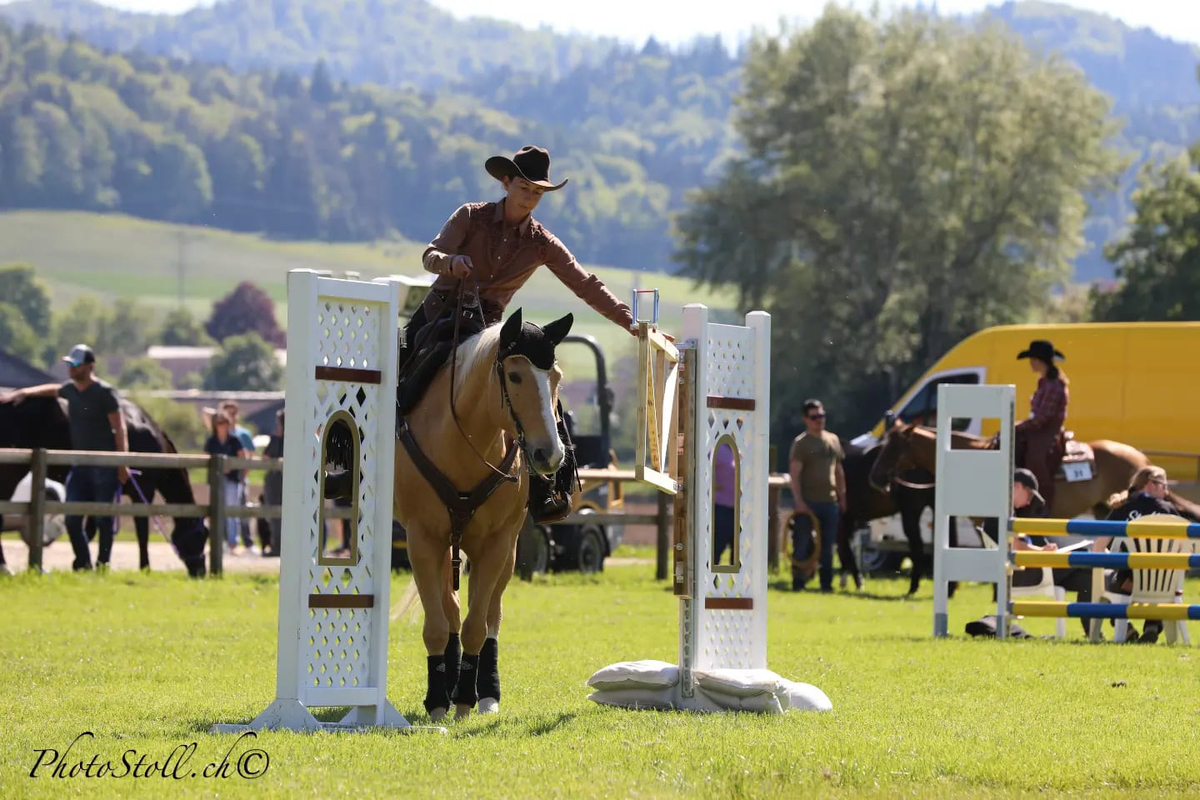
[437, 695]
[465, 692]
[489, 669]
[453, 658]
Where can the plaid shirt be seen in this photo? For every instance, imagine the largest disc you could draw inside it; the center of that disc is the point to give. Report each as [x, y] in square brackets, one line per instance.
[1048, 408]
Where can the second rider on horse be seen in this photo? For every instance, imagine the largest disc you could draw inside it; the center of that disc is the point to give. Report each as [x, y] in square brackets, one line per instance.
[484, 253]
[1040, 435]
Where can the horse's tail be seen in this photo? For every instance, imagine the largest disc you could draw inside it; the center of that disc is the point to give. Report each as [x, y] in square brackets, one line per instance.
[407, 603]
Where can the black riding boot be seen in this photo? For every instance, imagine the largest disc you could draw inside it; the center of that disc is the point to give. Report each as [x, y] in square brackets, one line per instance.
[544, 504]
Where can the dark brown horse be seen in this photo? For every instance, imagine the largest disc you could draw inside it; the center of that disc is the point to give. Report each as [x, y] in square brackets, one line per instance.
[865, 502]
[41, 422]
[907, 446]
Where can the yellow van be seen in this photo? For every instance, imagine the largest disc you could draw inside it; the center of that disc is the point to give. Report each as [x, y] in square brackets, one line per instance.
[1136, 382]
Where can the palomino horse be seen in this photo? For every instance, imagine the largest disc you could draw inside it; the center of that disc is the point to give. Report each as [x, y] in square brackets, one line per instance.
[1116, 464]
[494, 404]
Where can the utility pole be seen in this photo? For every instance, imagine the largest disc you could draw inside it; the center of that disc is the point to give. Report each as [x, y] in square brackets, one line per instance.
[181, 263]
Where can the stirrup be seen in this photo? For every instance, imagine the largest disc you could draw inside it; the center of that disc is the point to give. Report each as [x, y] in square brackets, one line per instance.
[553, 510]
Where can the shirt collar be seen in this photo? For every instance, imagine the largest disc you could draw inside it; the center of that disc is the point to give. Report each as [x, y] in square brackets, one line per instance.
[499, 217]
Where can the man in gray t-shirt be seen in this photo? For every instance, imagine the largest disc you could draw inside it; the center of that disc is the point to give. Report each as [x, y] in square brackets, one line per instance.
[96, 424]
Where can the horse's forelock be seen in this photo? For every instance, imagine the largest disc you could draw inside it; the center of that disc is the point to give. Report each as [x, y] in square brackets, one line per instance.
[479, 348]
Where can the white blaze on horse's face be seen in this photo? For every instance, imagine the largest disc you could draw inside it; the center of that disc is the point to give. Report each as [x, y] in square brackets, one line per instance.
[534, 396]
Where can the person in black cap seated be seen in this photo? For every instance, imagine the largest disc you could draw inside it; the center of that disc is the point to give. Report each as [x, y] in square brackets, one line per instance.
[96, 424]
[1038, 436]
[494, 248]
[1027, 501]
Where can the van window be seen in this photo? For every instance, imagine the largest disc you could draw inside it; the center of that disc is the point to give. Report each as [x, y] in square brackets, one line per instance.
[922, 408]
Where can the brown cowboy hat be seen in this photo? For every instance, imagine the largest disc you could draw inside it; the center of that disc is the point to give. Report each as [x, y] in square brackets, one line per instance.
[1042, 350]
[530, 162]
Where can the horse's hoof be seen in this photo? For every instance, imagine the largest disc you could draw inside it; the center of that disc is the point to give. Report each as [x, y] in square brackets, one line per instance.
[461, 712]
[437, 715]
[489, 705]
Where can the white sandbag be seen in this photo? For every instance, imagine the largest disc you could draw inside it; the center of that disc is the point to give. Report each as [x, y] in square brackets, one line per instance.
[648, 674]
[661, 698]
[806, 697]
[761, 703]
[738, 682]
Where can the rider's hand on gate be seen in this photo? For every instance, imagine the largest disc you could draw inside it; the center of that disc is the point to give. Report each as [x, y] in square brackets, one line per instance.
[14, 397]
[123, 474]
[461, 266]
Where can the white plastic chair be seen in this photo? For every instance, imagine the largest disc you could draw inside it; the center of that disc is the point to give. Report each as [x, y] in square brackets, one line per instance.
[1045, 588]
[1154, 586]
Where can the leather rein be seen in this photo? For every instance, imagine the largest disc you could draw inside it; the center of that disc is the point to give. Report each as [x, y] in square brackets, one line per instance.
[461, 506]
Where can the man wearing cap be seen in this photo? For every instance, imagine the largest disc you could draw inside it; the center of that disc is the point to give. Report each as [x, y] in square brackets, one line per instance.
[494, 248]
[1038, 436]
[96, 424]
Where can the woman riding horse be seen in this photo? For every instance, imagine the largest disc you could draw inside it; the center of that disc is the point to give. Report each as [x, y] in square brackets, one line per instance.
[484, 253]
[494, 248]
[1039, 435]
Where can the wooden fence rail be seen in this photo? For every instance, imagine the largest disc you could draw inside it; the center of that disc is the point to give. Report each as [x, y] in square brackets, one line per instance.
[218, 512]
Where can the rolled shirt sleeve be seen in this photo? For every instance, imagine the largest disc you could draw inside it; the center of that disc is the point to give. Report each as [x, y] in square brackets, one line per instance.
[447, 243]
[585, 285]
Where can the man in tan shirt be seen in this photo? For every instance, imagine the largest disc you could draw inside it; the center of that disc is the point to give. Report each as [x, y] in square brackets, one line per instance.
[494, 248]
[818, 487]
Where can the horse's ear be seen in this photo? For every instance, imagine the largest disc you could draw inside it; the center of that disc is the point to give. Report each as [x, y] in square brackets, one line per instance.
[557, 331]
[511, 330]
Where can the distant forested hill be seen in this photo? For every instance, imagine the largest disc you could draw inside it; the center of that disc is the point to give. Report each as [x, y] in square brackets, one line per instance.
[634, 127]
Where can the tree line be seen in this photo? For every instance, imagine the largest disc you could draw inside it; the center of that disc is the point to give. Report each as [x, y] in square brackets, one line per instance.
[908, 181]
[313, 157]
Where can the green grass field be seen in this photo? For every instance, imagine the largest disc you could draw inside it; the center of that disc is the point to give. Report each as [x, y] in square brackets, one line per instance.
[148, 663]
[114, 255]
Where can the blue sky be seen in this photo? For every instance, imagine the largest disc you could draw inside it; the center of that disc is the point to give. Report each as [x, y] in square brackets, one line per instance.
[635, 20]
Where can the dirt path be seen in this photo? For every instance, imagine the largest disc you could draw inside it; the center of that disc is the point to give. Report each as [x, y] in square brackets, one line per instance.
[125, 557]
[59, 556]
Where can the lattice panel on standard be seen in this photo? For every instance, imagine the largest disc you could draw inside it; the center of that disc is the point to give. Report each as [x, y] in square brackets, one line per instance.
[730, 362]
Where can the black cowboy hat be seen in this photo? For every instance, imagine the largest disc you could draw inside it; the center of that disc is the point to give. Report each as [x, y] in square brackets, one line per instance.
[1042, 350]
[530, 162]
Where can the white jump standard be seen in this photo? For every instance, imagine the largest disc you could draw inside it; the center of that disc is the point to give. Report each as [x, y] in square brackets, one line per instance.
[333, 610]
[723, 400]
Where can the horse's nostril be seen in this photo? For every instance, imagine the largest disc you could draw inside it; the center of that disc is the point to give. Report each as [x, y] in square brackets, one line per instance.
[539, 455]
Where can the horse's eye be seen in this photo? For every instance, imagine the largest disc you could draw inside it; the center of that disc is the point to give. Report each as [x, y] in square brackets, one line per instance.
[514, 377]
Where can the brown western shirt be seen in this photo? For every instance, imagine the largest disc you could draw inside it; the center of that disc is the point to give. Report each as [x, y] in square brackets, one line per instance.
[504, 257]
[818, 457]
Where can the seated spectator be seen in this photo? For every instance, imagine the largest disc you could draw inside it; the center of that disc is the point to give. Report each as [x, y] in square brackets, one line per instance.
[1028, 502]
[1148, 493]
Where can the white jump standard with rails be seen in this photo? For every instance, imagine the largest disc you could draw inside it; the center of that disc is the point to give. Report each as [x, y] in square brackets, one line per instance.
[709, 390]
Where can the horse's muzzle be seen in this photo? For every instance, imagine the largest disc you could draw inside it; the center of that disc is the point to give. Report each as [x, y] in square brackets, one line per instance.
[544, 461]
